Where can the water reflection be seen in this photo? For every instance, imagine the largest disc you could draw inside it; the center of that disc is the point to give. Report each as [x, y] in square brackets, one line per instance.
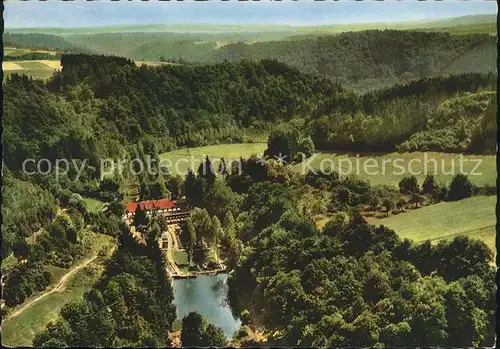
[207, 295]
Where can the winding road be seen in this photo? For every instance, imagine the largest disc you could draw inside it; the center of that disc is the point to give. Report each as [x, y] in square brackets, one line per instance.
[170, 257]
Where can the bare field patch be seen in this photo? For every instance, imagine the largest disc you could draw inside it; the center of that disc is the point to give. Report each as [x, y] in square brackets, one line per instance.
[56, 64]
[6, 66]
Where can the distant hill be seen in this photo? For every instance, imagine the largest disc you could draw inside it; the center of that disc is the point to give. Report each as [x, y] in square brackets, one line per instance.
[372, 59]
[39, 41]
[361, 56]
[463, 20]
[212, 28]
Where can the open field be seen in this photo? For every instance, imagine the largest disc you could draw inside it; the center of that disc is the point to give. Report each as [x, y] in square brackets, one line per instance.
[45, 68]
[181, 160]
[13, 51]
[396, 165]
[21, 329]
[36, 68]
[57, 272]
[395, 171]
[155, 64]
[93, 205]
[473, 217]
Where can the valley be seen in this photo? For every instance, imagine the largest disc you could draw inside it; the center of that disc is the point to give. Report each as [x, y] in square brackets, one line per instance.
[324, 184]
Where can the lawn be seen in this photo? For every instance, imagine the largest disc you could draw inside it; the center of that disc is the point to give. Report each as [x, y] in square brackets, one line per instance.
[96, 241]
[181, 160]
[180, 257]
[93, 205]
[474, 217]
[363, 168]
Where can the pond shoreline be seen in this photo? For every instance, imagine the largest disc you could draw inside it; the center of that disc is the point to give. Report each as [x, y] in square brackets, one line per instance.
[206, 295]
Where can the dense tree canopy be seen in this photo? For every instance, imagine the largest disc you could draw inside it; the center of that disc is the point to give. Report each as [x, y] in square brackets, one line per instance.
[353, 284]
[347, 284]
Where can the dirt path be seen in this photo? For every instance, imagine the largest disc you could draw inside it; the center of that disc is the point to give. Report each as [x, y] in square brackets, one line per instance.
[170, 257]
[172, 228]
[59, 288]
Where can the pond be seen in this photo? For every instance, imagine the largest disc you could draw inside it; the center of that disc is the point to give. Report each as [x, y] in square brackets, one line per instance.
[206, 295]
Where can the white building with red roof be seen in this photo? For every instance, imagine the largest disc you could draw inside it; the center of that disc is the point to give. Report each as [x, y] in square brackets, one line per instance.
[165, 207]
[150, 206]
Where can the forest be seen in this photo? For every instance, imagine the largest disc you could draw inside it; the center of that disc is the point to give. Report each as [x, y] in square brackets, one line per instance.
[349, 283]
[361, 60]
[98, 104]
[103, 106]
[373, 58]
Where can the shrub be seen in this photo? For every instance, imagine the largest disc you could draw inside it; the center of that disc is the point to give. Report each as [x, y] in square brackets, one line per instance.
[245, 316]
[242, 332]
[460, 188]
[429, 185]
[409, 185]
[306, 146]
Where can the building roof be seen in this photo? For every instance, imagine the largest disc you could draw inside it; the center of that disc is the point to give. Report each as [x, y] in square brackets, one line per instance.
[150, 205]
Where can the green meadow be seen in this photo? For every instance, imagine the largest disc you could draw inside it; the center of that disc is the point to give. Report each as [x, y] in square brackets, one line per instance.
[42, 69]
[473, 217]
[21, 330]
[378, 168]
[390, 168]
[181, 160]
[93, 205]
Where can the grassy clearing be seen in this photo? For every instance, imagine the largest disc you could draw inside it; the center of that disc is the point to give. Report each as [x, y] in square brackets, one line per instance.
[321, 221]
[473, 217]
[155, 64]
[93, 205]
[7, 66]
[96, 241]
[33, 65]
[11, 51]
[180, 257]
[29, 66]
[21, 330]
[181, 160]
[393, 171]
[41, 69]
[36, 74]
[56, 272]
[54, 64]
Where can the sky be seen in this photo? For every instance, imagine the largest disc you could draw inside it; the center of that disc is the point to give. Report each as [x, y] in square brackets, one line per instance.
[77, 14]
